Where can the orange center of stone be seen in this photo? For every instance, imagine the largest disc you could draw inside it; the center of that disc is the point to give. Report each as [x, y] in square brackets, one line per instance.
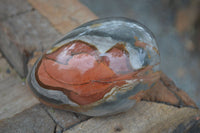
[80, 71]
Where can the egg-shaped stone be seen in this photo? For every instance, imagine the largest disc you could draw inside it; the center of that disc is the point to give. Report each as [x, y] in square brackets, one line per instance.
[96, 68]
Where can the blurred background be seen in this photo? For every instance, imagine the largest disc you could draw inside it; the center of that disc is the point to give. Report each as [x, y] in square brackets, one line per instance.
[28, 27]
[176, 26]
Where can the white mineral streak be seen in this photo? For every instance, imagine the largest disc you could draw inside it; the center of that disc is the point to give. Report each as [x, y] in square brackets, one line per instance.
[101, 43]
[134, 57]
[116, 90]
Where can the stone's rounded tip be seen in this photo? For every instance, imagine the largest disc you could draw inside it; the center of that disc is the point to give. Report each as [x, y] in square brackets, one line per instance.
[97, 67]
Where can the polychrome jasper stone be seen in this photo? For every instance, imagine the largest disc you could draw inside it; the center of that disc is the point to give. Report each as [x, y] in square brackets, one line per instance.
[97, 68]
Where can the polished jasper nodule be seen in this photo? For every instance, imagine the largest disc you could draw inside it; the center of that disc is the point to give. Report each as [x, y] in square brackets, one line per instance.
[96, 68]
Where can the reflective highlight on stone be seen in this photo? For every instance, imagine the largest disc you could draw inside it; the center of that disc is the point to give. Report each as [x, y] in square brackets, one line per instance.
[95, 68]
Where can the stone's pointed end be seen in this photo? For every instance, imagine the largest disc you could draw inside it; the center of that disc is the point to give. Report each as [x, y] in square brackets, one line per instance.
[165, 91]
